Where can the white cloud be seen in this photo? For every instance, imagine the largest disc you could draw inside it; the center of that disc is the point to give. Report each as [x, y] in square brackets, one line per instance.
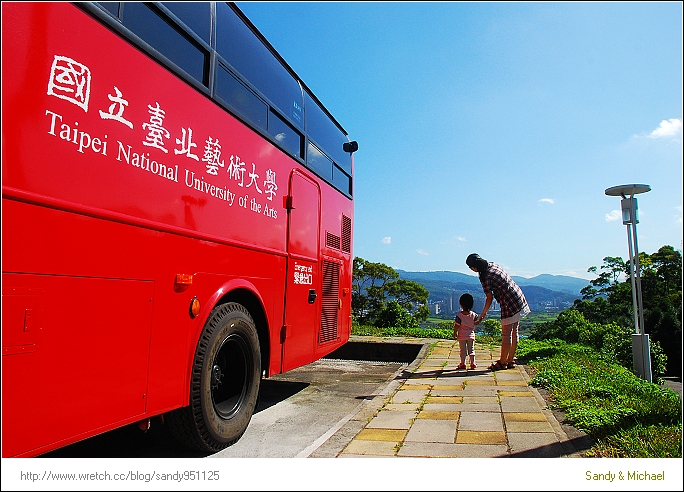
[461, 238]
[613, 216]
[386, 240]
[421, 252]
[668, 128]
[547, 200]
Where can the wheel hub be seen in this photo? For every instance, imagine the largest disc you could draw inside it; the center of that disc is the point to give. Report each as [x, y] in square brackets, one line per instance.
[216, 377]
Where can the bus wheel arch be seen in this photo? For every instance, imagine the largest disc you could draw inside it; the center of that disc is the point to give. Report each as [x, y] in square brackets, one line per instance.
[255, 307]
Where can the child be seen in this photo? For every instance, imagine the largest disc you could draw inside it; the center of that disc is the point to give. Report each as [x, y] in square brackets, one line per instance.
[464, 330]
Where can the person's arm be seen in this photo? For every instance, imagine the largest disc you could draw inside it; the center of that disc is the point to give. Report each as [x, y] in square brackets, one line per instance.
[488, 303]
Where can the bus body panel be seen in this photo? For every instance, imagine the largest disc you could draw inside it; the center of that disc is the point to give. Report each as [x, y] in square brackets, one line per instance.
[104, 205]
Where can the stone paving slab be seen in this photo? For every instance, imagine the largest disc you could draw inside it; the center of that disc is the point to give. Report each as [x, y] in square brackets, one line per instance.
[477, 421]
[444, 399]
[403, 407]
[438, 411]
[485, 381]
[392, 420]
[442, 407]
[439, 414]
[415, 386]
[480, 437]
[394, 435]
[430, 431]
[512, 404]
[428, 450]
[516, 394]
[374, 448]
[413, 396]
[513, 389]
[480, 399]
[470, 407]
[448, 384]
[509, 375]
[491, 391]
[481, 450]
[529, 427]
[524, 417]
[446, 392]
[504, 382]
[535, 445]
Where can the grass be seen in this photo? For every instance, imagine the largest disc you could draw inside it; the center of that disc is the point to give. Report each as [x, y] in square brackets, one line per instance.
[627, 417]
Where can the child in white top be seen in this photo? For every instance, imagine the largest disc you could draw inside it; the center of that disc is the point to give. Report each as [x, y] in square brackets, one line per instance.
[464, 330]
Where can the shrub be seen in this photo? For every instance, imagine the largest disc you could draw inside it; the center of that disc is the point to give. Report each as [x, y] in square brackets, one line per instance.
[614, 341]
[491, 327]
[394, 315]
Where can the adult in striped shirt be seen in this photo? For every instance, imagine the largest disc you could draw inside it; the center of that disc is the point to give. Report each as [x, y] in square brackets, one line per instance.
[497, 284]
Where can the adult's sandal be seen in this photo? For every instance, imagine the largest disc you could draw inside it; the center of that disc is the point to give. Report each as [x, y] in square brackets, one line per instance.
[497, 366]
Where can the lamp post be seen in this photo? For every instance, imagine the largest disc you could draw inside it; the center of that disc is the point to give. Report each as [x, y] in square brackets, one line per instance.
[640, 345]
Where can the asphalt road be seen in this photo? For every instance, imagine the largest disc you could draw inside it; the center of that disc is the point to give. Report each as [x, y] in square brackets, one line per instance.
[296, 414]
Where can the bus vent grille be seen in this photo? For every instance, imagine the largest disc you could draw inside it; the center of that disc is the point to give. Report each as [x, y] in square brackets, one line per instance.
[332, 241]
[346, 234]
[330, 302]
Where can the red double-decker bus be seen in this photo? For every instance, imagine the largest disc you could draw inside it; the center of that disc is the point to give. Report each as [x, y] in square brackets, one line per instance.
[177, 211]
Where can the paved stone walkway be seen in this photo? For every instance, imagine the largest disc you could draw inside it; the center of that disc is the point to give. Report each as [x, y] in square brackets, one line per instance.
[436, 410]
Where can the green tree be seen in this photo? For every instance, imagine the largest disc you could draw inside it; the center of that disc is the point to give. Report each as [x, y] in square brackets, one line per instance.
[369, 288]
[607, 300]
[395, 316]
[411, 296]
[375, 284]
[613, 267]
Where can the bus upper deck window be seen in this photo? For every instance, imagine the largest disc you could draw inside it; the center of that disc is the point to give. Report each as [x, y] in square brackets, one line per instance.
[319, 163]
[237, 95]
[111, 7]
[285, 135]
[342, 181]
[196, 15]
[243, 50]
[154, 30]
[326, 134]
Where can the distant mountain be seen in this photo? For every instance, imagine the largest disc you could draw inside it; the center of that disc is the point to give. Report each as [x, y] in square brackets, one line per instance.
[541, 292]
[442, 276]
[559, 283]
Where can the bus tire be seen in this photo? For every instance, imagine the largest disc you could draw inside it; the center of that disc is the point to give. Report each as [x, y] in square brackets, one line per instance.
[224, 387]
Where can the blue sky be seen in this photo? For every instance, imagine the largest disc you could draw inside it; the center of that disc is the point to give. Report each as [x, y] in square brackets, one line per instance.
[495, 128]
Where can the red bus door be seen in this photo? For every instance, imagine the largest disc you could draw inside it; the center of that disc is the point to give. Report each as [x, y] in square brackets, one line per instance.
[303, 282]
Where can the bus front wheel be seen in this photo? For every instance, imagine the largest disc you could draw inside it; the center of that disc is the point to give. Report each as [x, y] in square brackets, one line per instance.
[225, 381]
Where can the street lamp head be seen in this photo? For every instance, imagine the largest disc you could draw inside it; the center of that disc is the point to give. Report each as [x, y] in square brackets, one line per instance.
[628, 189]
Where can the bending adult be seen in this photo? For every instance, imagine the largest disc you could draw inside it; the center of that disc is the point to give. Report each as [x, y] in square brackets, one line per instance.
[497, 284]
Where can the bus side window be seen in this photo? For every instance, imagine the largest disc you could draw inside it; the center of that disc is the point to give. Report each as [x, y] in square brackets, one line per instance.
[285, 135]
[342, 181]
[155, 30]
[196, 15]
[250, 58]
[319, 163]
[239, 97]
